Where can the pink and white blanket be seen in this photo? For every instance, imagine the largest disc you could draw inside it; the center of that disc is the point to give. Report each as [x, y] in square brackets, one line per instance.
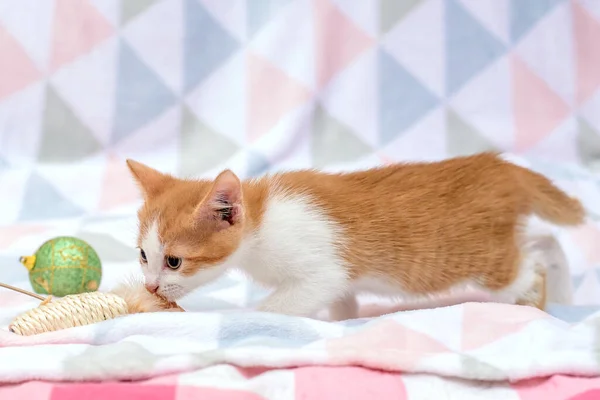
[459, 351]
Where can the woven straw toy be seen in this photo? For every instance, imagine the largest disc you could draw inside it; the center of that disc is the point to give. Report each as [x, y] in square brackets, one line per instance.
[86, 308]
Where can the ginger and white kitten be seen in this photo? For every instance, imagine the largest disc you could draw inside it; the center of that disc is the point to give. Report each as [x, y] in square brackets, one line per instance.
[406, 230]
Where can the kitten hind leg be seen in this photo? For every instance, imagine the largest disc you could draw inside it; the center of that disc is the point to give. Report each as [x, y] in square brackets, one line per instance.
[552, 278]
[536, 296]
[557, 273]
[528, 287]
[542, 253]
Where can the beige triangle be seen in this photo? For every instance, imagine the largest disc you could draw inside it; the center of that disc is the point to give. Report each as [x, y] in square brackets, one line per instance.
[588, 143]
[201, 147]
[65, 138]
[132, 8]
[462, 139]
[333, 142]
[392, 11]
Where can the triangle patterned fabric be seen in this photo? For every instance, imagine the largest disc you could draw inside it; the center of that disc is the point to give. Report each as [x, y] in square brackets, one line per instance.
[193, 87]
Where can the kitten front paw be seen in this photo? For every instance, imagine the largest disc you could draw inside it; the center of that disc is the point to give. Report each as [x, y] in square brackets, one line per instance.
[344, 309]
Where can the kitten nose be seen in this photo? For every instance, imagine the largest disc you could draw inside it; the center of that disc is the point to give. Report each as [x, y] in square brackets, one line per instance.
[152, 288]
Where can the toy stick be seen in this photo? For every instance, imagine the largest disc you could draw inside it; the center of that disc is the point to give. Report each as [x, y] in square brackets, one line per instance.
[16, 289]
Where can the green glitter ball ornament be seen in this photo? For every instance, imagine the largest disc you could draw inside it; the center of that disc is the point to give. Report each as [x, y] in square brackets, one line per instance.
[62, 266]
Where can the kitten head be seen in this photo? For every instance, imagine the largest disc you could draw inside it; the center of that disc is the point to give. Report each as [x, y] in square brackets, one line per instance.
[189, 230]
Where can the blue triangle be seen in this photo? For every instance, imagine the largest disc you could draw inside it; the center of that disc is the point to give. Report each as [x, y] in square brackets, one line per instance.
[257, 164]
[206, 44]
[402, 99]
[260, 12]
[12, 270]
[265, 329]
[469, 46]
[42, 201]
[141, 96]
[577, 279]
[525, 14]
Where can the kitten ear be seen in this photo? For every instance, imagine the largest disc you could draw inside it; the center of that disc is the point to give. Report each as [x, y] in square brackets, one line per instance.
[223, 204]
[150, 181]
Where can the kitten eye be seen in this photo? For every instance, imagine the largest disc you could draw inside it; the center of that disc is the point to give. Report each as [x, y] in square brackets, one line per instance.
[143, 256]
[173, 262]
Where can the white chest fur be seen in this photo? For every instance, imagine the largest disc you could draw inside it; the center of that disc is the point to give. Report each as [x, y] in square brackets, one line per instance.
[295, 241]
[296, 251]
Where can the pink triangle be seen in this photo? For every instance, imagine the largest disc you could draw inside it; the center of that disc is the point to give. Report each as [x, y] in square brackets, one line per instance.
[558, 387]
[538, 109]
[338, 40]
[485, 323]
[587, 31]
[78, 27]
[592, 394]
[10, 234]
[272, 94]
[16, 69]
[118, 187]
[387, 344]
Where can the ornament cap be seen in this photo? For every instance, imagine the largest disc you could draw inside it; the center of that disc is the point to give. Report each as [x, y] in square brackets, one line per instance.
[28, 262]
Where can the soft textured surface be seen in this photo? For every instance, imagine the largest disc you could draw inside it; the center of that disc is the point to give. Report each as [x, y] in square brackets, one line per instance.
[474, 341]
[267, 85]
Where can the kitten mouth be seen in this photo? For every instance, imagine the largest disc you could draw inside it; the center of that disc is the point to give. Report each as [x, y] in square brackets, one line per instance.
[171, 293]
